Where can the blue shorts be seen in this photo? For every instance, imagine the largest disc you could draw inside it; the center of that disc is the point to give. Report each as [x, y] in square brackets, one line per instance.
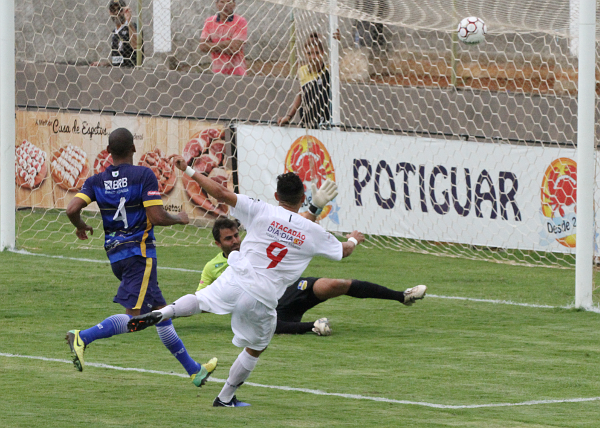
[139, 284]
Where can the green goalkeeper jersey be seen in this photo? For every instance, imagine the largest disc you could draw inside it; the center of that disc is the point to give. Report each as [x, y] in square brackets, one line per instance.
[212, 270]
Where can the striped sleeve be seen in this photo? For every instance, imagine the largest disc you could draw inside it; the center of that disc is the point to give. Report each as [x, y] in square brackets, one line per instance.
[150, 192]
[87, 191]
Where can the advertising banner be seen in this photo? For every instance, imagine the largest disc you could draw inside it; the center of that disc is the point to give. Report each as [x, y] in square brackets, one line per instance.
[56, 152]
[487, 194]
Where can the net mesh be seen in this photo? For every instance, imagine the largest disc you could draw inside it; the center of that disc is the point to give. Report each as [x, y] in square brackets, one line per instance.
[439, 147]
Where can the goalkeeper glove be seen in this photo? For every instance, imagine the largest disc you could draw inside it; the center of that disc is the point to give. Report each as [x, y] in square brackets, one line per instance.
[326, 193]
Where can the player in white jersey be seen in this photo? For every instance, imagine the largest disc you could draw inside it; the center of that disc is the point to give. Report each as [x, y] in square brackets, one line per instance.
[278, 247]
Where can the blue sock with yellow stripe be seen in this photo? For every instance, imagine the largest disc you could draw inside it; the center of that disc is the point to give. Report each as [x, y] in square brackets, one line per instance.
[169, 338]
[115, 324]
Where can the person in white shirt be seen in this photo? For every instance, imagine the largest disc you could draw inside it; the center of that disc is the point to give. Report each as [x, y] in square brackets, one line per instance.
[278, 247]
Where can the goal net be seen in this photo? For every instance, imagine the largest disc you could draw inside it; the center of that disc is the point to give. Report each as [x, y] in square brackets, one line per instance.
[436, 146]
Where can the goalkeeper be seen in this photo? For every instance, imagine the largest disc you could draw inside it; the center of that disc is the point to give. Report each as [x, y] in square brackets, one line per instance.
[306, 292]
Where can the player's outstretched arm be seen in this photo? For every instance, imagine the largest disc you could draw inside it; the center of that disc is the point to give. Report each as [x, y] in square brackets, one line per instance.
[214, 189]
[159, 217]
[354, 239]
[74, 213]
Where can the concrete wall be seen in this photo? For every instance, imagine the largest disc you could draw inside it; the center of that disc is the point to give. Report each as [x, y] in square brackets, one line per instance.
[435, 112]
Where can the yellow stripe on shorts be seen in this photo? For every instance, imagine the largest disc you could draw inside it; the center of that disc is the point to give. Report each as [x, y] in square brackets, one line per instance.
[144, 286]
[145, 236]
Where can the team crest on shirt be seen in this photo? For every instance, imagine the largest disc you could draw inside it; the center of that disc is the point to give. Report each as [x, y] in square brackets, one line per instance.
[302, 285]
[115, 174]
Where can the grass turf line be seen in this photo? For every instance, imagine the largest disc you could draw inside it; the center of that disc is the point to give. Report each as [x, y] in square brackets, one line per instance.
[438, 351]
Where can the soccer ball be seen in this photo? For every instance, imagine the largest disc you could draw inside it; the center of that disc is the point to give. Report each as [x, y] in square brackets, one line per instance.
[471, 30]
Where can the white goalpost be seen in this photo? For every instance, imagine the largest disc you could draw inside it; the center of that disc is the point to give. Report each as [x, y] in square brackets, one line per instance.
[483, 151]
[7, 127]
[586, 142]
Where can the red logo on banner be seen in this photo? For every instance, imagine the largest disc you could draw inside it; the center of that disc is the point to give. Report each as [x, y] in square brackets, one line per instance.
[559, 193]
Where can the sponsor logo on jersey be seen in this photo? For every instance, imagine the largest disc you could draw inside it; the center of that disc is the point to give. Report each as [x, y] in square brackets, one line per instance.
[277, 226]
[302, 285]
[218, 265]
[558, 213]
[115, 174]
[153, 193]
[286, 234]
[115, 184]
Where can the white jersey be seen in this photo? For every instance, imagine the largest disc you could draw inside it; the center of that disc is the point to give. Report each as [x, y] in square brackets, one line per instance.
[278, 247]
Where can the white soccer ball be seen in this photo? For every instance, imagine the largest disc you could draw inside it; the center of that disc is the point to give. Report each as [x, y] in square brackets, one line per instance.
[471, 30]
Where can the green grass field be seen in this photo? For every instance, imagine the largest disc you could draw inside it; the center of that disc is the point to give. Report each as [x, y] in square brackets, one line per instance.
[429, 365]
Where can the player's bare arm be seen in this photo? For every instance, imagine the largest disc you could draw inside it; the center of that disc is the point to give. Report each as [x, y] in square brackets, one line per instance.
[354, 239]
[74, 213]
[159, 217]
[214, 189]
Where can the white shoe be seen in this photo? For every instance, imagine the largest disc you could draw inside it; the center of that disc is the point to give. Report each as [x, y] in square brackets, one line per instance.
[415, 293]
[322, 327]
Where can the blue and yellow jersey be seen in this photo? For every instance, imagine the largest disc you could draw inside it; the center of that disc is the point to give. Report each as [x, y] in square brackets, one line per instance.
[122, 193]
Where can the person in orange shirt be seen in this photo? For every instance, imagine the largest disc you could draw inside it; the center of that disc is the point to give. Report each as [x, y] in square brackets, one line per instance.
[224, 36]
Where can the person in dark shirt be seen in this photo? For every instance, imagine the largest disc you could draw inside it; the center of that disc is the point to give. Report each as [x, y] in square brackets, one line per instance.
[313, 101]
[124, 39]
[130, 205]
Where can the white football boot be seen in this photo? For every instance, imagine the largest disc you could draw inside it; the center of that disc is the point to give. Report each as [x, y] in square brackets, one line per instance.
[415, 293]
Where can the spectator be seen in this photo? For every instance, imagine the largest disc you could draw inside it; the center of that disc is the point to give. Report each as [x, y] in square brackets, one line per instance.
[124, 40]
[314, 98]
[224, 36]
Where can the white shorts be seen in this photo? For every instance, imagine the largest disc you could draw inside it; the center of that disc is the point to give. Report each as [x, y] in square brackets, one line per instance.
[252, 322]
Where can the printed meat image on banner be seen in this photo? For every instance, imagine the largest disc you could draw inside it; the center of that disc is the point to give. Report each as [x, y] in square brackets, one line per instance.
[70, 167]
[103, 160]
[30, 165]
[205, 152]
[57, 152]
[162, 168]
[559, 203]
[309, 158]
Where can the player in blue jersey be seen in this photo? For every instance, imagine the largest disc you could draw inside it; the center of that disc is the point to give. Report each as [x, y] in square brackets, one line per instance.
[130, 205]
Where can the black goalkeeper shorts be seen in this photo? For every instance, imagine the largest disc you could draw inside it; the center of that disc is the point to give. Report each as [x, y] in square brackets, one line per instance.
[297, 299]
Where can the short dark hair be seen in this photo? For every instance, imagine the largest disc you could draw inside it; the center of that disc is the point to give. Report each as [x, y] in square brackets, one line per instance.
[223, 223]
[116, 5]
[120, 142]
[290, 188]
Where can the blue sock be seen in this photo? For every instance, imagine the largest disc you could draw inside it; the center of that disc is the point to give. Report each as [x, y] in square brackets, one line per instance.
[169, 338]
[115, 324]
